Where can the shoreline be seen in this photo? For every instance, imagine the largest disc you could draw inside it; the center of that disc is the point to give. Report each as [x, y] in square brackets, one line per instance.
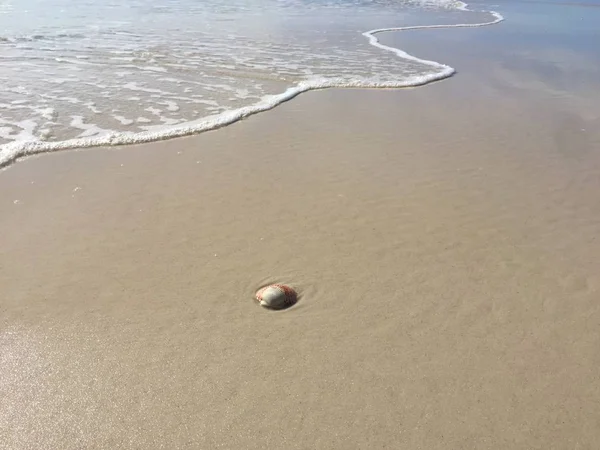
[17, 150]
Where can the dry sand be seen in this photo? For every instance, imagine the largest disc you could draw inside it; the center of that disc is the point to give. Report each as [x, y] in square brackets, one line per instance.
[444, 241]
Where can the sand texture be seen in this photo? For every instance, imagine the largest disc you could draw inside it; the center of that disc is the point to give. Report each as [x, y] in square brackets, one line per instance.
[444, 242]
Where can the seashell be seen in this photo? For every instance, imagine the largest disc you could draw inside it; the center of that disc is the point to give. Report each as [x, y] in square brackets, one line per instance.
[276, 296]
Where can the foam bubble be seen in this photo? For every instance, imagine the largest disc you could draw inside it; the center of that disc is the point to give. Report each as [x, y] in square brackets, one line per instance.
[47, 113]
[25, 133]
[90, 130]
[123, 120]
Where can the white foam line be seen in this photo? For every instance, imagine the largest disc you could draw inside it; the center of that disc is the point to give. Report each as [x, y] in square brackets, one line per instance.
[12, 151]
[446, 71]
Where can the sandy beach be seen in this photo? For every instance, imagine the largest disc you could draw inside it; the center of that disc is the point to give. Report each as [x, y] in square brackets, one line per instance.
[443, 239]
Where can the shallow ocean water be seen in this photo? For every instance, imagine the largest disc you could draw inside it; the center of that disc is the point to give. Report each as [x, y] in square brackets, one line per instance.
[110, 72]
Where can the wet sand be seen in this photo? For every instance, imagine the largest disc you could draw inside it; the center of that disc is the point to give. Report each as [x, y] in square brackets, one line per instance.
[444, 241]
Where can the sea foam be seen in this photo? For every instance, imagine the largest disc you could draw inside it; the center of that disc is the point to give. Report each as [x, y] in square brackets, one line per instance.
[25, 144]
